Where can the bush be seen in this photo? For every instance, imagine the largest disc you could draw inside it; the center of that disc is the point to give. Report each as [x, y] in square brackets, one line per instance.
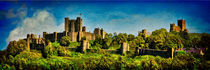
[74, 44]
[16, 48]
[65, 40]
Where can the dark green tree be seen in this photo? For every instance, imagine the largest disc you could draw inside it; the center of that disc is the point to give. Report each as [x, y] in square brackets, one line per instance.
[15, 48]
[65, 40]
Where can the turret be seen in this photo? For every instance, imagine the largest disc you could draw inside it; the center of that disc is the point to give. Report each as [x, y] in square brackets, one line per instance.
[66, 24]
[103, 33]
[28, 35]
[55, 36]
[79, 23]
[97, 32]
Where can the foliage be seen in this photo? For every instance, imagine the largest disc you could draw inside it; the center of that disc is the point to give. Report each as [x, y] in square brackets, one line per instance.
[56, 44]
[74, 44]
[54, 56]
[16, 48]
[65, 40]
[49, 50]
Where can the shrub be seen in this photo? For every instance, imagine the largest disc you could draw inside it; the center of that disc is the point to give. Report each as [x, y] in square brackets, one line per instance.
[65, 40]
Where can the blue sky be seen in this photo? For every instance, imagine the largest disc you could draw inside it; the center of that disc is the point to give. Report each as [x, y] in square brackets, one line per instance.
[20, 18]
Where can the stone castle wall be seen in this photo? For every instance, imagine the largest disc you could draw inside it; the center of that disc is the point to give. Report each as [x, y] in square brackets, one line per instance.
[162, 53]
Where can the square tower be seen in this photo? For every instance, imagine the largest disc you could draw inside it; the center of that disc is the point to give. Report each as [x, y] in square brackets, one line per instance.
[66, 24]
[182, 24]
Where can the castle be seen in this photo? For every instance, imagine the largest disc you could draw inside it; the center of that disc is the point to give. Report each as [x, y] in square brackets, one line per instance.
[76, 31]
[73, 29]
[181, 26]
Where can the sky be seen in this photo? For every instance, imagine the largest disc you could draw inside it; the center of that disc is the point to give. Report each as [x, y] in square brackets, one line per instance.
[19, 18]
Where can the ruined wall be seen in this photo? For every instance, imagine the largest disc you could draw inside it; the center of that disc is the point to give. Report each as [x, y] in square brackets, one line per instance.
[84, 45]
[143, 32]
[97, 32]
[35, 43]
[103, 33]
[154, 52]
[88, 35]
[181, 26]
[173, 27]
[124, 47]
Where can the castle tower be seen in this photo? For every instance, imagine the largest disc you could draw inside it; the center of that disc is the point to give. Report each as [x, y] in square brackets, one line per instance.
[144, 31]
[79, 20]
[28, 35]
[97, 32]
[55, 36]
[66, 24]
[172, 27]
[182, 24]
[102, 33]
[72, 26]
[78, 24]
[28, 44]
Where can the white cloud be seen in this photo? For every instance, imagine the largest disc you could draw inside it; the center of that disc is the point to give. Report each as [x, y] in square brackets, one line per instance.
[41, 21]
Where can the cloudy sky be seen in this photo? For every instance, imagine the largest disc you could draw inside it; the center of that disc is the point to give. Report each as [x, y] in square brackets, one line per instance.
[17, 19]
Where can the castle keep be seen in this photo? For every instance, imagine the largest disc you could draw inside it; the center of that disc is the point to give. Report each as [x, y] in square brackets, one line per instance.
[75, 30]
[181, 26]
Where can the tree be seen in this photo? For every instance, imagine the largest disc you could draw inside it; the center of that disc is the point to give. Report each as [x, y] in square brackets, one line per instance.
[108, 40]
[65, 40]
[15, 48]
[49, 50]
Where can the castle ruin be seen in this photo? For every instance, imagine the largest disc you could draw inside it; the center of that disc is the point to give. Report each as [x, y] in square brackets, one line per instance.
[181, 26]
[73, 29]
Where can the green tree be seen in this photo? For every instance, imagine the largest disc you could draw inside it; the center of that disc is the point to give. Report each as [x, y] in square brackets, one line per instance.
[49, 50]
[65, 40]
[16, 47]
[108, 40]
